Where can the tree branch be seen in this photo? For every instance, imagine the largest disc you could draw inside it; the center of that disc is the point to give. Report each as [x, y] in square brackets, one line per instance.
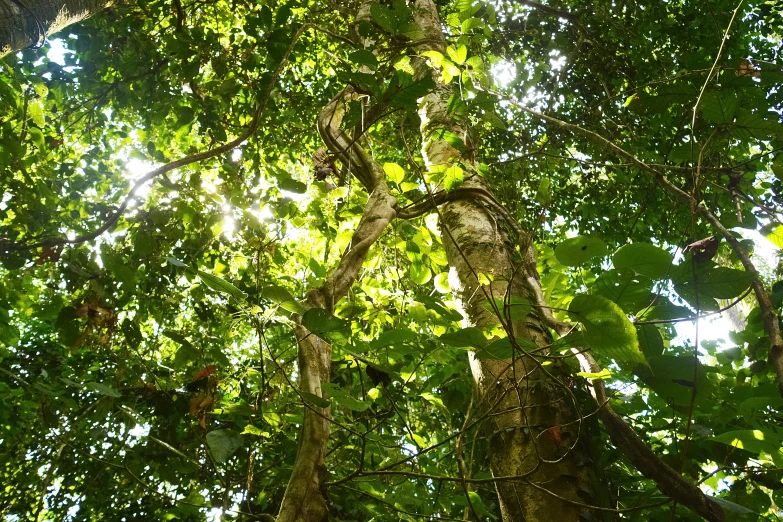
[768, 314]
[168, 167]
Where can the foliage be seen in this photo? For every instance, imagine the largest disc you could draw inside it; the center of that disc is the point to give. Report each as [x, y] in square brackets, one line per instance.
[151, 373]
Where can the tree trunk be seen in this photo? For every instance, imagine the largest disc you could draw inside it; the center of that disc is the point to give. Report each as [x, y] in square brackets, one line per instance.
[28, 22]
[534, 433]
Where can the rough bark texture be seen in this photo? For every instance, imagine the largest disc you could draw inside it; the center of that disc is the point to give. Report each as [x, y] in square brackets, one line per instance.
[528, 399]
[19, 24]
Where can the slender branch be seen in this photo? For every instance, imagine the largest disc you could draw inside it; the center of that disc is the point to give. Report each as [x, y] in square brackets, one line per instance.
[768, 314]
[168, 167]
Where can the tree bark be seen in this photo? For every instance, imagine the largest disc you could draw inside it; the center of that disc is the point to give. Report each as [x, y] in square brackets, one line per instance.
[28, 22]
[535, 433]
[305, 498]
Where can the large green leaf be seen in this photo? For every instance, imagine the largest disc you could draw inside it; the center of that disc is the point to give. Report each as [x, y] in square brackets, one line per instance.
[393, 337]
[630, 291]
[607, 330]
[223, 443]
[578, 250]
[282, 297]
[676, 378]
[465, 338]
[325, 325]
[645, 259]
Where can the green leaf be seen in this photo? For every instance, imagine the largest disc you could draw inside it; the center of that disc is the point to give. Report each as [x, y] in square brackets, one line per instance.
[465, 338]
[458, 54]
[544, 193]
[735, 512]
[316, 400]
[351, 403]
[103, 389]
[221, 285]
[453, 177]
[394, 171]
[282, 297]
[576, 251]
[650, 340]
[393, 337]
[223, 443]
[407, 97]
[364, 57]
[672, 378]
[292, 185]
[324, 325]
[498, 350]
[382, 16]
[420, 273]
[603, 374]
[774, 233]
[631, 292]
[37, 137]
[719, 107]
[724, 283]
[606, 328]
[441, 283]
[665, 311]
[257, 432]
[645, 259]
[36, 112]
[757, 407]
[516, 309]
[708, 281]
[176, 262]
[185, 354]
[755, 441]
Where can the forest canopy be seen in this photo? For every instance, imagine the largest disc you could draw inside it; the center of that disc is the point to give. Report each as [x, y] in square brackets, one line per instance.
[375, 260]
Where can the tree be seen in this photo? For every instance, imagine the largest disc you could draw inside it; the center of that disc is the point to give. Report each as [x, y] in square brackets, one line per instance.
[29, 23]
[373, 260]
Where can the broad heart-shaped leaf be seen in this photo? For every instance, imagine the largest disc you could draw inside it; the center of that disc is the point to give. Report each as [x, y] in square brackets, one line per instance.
[394, 171]
[774, 234]
[754, 441]
[707, 280]
[577, 250]
[719, 107]
[757, 407]
[324, 325]
[663, 310]
[606, 328]
[223, 443]
[465, 338]
[631, 292]
[283, 297]
[364, 57]
[672, 378]
[650, 340]
[642, 258]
